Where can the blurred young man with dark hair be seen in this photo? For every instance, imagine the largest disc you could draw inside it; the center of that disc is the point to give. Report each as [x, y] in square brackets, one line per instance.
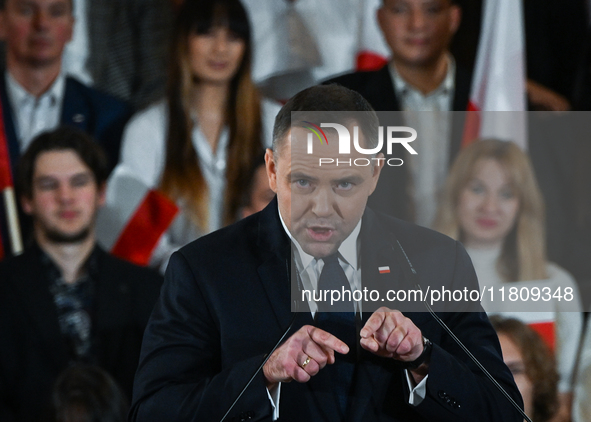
[64, 299]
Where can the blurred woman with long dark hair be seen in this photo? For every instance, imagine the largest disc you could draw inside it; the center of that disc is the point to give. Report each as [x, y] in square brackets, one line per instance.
[197, 146]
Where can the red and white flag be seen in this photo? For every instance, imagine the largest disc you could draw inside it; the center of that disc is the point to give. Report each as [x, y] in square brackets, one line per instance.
[9, 200]
[134, 218]
[372, 51]
[498, 99]
[303, 42]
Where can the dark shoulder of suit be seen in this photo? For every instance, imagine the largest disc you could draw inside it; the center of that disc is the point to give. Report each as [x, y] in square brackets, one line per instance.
[99, 114]
[377, 87]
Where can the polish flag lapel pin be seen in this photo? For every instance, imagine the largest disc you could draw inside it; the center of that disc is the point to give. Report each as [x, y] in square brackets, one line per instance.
[384, 270]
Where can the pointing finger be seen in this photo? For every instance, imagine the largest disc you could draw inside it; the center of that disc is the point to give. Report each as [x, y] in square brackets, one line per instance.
[327, 341]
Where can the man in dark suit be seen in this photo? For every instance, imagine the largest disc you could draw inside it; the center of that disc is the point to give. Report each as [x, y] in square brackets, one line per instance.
[64, 299]
[35, 94]
[226, 302]
[422, 76]
[124, 47]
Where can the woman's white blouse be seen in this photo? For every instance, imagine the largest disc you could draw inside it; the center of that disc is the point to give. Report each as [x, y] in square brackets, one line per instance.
[143, 155]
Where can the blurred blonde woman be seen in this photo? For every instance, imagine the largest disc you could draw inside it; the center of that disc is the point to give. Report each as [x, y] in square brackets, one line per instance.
[492, 204]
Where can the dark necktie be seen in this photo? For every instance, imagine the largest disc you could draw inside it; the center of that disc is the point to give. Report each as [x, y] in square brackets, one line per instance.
[333, 278]
[339, 320]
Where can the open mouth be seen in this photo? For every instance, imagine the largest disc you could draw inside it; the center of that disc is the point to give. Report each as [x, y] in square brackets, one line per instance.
[320, 234]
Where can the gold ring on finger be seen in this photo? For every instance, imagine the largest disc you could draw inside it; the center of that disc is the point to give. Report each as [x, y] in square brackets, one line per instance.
[307, 361]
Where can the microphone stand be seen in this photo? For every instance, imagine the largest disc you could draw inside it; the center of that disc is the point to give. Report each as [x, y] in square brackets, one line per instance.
[268, 355]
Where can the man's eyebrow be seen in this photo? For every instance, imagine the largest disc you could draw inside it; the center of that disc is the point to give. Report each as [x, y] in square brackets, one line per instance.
[81, 174]
[354, 178]
[299, 175]
[26, 3]
[44, 178]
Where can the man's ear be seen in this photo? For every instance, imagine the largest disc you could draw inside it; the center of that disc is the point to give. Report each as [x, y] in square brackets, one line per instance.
[271, 168]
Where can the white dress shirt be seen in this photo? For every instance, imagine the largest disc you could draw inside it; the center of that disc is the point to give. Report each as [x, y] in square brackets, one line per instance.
[430, 115]
[143, 155]
[33, 115]
[213, 166]
[310, 268]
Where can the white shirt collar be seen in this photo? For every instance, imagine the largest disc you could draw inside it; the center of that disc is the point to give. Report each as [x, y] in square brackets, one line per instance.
[19, 95]
[446, 86]
[347, 250]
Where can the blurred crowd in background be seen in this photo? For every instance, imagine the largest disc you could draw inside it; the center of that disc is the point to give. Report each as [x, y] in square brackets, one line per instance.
[181, 96]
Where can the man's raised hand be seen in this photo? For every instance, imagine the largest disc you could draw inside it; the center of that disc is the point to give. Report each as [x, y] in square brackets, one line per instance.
[290, 361]
[388, 333]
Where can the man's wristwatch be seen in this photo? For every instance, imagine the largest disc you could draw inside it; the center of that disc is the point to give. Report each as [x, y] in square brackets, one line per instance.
[423, 357]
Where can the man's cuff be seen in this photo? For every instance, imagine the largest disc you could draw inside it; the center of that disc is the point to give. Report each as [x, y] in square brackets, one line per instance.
[274, 398]
[417, 392]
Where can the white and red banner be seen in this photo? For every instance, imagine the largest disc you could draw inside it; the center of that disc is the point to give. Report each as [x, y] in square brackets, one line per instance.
[134, 218]
[12, 236]
[498, 97]
[300, 43]
[372, 51]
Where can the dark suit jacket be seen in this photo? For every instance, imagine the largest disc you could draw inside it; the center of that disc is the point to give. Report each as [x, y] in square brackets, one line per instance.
[129, 45]
[393, 194]
[226, 302]
[33, 351]
[101, 116]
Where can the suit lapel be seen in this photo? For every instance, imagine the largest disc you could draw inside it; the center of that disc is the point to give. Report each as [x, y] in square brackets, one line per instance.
[380, 91]
[380, 269]
[75, 108]
[37, 301]
[275, 271]
[372, 372]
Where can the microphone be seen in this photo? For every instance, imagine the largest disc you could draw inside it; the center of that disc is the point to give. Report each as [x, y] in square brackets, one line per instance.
[268, 355]
[411, 273]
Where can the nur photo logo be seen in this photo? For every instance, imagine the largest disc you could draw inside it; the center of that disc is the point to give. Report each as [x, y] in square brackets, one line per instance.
[392, 137]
